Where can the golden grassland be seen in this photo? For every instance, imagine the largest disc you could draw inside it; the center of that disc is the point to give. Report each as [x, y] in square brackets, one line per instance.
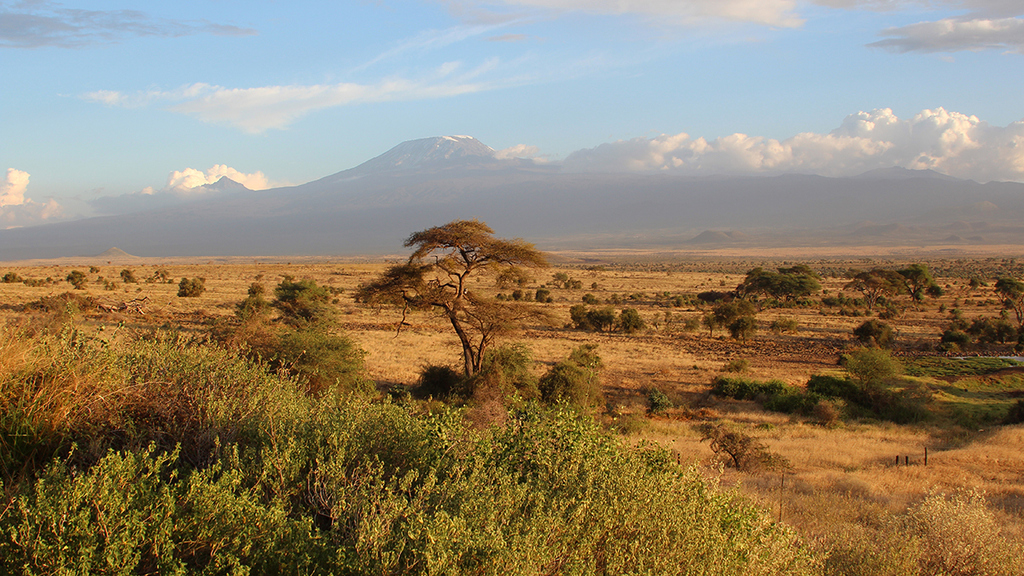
[839, 475]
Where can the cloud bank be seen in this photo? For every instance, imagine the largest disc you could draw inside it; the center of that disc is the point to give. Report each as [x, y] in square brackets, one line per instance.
[184, 186]
[951, 35]
[948, 142]
[256, 110]
[191, 181]
[18, 210]
[39, 24]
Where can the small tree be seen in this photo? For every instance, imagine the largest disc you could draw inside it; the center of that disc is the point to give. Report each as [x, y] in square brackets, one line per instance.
[743, 327]
[630, 321]
[920, 283]
[437, 275]
[1012, 292]
[191, 288]
[875, 284]
[128, 277]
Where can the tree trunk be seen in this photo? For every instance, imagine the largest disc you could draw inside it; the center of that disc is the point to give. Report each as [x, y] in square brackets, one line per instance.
[469, 357]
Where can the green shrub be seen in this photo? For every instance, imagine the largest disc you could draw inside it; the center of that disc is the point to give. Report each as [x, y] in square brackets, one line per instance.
[324, 361]
[743, 327]
[504, 374]
[543, 295]
[658, 402]
[833, 387]
[438, 382]
[955, 340]
[601, 319]
[11, 278]
[255, 306]
[128, 277]
[875, 333]
[303, 302]
[745, 389]
[191, 288]
[630, 321]
[871, 365]
[574, 381]
[294, 485]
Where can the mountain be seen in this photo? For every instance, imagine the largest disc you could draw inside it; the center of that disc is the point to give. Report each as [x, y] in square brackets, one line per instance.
[373, 207]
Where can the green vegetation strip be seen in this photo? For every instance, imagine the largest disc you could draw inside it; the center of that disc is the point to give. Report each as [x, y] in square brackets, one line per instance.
[943, 367]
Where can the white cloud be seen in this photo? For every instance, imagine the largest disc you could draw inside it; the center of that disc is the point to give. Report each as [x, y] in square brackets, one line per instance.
[185, 181]
[256, 110]
[947, 142]
[182, 186]
[780, 13]
[950, 35]
[518, 151]
[12, 191]
[18, 210]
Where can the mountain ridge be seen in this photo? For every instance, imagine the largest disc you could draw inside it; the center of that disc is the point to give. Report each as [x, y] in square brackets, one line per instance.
[421, 183]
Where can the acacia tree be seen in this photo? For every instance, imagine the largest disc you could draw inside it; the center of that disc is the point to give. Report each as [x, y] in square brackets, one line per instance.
[876, 283]
[1012, 292]
[919, 282]
[786, 284]
[436, 276]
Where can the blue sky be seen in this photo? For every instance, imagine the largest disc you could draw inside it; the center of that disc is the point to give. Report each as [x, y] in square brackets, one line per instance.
[113, 98]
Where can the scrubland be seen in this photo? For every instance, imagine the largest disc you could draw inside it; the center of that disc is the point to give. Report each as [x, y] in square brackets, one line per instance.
[141, 434]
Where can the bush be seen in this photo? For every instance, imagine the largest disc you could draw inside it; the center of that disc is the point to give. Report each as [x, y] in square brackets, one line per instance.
[630, 321]
[324, 362]
[77, 279]
[875, 333]
[991, 330]
[11, 278]
[191, 288]
[871, 365]
[781, 325]
[743, 327]
[439, 382]
[744, 452]
[504, 373]
[833, 387]
[128, 277]
[255, 306]
[543, 296]
[955, 340]
[303, 302]
[1016, 413]
[942, 534]
[574, 381]
[736, 365]
[601, 319]
[658, 402]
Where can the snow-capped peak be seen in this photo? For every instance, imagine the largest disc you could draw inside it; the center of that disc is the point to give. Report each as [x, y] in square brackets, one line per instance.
[427, 151]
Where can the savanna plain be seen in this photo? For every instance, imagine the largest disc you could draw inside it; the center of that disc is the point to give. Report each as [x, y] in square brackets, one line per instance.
[260, 416]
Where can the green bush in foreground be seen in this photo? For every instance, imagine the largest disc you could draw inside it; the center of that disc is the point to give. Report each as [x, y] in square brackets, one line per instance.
[217, 466]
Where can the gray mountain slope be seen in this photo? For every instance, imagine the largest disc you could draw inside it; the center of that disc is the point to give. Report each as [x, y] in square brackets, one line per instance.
[373, 207]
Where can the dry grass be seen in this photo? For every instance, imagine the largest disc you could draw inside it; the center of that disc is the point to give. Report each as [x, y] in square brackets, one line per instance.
[838, 475]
